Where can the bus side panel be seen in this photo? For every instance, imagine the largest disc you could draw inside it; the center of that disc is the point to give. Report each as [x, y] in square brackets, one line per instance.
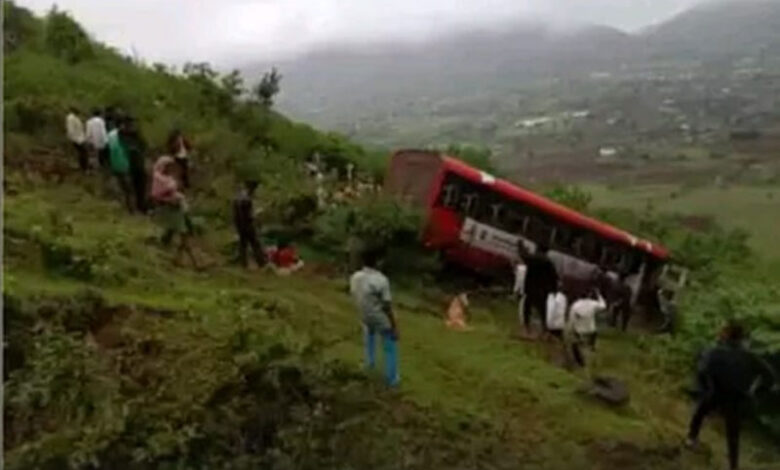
[444, 233]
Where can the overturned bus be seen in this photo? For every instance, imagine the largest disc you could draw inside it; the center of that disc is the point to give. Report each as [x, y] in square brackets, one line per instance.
[477, 221]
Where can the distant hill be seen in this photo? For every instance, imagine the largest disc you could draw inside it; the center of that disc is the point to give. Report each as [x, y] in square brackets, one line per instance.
[338, 86]
[330, 82]
[719, 28]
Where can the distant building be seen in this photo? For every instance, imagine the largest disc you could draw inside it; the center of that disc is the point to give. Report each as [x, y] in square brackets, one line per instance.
[607, 152]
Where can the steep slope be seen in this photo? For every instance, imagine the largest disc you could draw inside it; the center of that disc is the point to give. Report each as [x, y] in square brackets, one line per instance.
[479, 399]
[118, 359]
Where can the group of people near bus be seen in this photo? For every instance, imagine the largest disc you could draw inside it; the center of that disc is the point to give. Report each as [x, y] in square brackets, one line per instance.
[565, 315]
[727, 375]
[111, 141]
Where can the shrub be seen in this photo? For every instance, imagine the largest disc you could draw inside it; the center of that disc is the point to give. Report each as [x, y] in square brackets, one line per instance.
[572, 197]
[380, 222]
[19, 27]
[65, 38]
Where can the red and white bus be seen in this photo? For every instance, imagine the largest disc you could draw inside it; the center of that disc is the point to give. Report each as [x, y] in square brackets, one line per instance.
[477, 221]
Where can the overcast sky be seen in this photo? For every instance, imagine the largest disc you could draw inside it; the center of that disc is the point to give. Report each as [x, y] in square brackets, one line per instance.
[237, 31]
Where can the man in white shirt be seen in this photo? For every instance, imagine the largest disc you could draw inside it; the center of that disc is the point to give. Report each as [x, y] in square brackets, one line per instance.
[519, 288]
[97, 137]
[582, 323]
[557, 306]
[75, 131]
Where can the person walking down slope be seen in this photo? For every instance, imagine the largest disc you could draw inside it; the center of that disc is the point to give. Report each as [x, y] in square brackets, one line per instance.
[136, 148]
[119, 165]
[179, 148]
[74, 128]
[540, 280]
[729, 376]
[370, 290]
[557, 308]
[244, 221]
[97, 138]
[171, 207]
[582, 325]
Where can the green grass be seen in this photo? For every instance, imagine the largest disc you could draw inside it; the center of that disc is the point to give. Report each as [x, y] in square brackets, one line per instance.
[753, 209]
[482, 373]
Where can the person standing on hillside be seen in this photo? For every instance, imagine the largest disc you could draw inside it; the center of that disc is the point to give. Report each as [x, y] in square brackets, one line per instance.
[521, 271]
[244, 221]
[728, 376]
[179, 148]
[97, 137]
[668, 307]
[119, 164]
[582, 325]
[556, 310]
[172, 208]
[541, 279]
[136, 148]
[74, 128]
[370, 290]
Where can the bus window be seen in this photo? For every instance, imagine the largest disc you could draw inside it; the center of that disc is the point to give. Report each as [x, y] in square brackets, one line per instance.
[563, 238]
[497, 216]
[469, 204]
[449, 196]
[537, 230]
[585, 247]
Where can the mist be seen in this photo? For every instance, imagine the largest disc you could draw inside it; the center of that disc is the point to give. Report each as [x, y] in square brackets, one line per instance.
[227, 32]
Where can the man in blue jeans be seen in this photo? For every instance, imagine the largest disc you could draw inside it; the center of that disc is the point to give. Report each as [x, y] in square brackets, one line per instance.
[371, 291]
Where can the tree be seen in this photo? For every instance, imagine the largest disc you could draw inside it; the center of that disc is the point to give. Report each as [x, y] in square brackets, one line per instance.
[19, 26]
[268, 87]
[65, 38]
[233, 84]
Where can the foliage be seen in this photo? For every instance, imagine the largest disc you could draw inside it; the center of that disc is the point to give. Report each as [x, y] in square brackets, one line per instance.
[375, 222]
[90, 389]
[268, 87]
[65, 38]
[478, 157]
[19, 27]
[572, 197]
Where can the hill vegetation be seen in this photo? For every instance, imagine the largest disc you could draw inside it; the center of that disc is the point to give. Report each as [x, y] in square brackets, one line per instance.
[115, 358]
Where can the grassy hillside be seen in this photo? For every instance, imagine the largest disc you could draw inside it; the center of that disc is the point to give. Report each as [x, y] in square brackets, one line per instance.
[115, 358]
[740, 207]
[480, 399]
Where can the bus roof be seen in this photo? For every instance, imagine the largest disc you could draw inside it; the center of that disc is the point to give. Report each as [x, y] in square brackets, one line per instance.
[559, 211]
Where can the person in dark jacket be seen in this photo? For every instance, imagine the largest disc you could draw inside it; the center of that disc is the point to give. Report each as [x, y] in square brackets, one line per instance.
[243, 218]
[541, 279]
[728, 376]
[136, 148]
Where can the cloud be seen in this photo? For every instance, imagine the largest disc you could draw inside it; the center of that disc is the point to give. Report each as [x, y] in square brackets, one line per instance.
[225, 31]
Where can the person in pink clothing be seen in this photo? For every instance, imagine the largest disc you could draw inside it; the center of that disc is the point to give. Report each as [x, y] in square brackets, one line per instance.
[172, 207]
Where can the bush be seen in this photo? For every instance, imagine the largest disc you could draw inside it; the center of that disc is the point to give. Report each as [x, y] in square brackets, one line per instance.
[375, 222]
[570, 196]
[19, 27]
[65, 38]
